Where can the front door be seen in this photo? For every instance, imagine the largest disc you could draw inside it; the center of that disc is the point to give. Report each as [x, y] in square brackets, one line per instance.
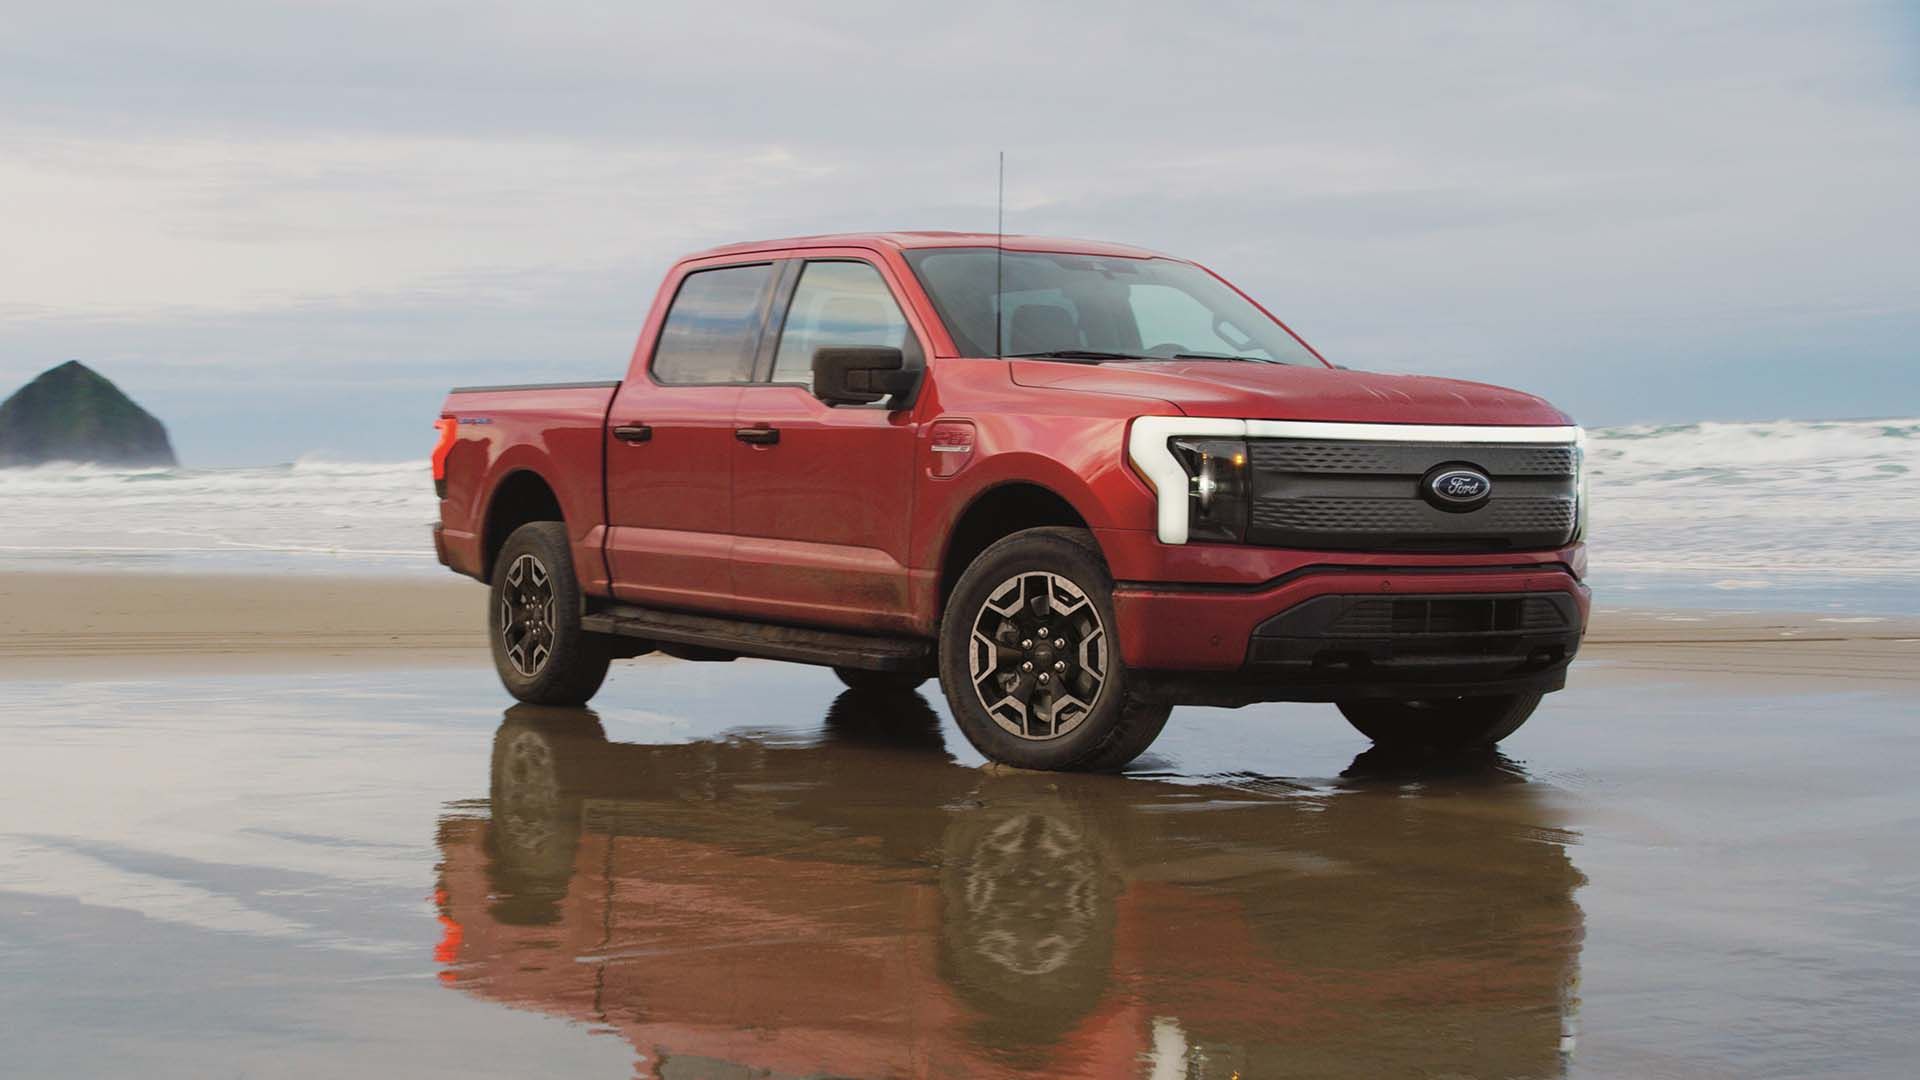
[822, 516]
[670, 442]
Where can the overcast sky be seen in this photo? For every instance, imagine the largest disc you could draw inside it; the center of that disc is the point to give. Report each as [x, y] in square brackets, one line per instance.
[288, 228]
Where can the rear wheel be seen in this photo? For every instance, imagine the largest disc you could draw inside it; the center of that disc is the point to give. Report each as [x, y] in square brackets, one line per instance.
[1444, 724]
[1029, 660]
[898, 682]
[533, 621]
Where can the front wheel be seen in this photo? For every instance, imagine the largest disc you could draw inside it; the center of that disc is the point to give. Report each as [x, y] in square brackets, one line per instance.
[1444, 724]
[533, 621]
[1029, 660]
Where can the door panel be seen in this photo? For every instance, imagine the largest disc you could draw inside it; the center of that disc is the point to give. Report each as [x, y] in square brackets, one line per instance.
[822, 516]
[670, 520]
[670, 442]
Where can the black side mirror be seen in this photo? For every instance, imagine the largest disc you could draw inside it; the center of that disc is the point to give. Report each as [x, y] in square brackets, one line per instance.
[860, 374]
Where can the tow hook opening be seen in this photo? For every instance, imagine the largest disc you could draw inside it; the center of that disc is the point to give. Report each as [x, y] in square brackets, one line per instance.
[1341, 662]
[1546, 657]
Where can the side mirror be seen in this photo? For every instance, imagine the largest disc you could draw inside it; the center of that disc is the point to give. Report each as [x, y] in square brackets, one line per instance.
[860, 374]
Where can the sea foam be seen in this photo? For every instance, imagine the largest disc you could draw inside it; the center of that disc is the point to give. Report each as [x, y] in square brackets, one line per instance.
[1734, 508]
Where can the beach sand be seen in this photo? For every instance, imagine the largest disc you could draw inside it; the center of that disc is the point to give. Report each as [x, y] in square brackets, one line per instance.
[227, 801]
[116, 625]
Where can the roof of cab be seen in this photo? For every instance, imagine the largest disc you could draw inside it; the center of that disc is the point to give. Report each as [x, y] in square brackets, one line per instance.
[903, 241]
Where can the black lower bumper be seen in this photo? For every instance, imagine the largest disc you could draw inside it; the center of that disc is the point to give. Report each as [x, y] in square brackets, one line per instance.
[1338, 648]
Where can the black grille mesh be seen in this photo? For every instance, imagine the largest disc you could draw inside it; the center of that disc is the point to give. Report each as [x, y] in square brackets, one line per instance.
[1415, 615]
[1411, 517]
[1337, 495]
[1314, 456]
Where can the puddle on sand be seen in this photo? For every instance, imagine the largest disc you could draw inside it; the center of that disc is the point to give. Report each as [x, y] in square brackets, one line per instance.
[739, 870]
[864, 905]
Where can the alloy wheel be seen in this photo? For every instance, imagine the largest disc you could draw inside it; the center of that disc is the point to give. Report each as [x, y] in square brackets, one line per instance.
[526, 615]
[1038, 655]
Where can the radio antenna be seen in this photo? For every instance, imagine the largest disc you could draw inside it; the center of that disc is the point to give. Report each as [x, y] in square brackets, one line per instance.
[999, 256]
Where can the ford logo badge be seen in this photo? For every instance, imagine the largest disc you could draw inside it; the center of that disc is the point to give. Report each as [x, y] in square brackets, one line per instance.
[1457, 487]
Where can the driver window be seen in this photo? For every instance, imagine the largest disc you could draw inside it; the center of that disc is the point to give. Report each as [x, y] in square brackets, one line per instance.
[1173, 321]
[837, 303]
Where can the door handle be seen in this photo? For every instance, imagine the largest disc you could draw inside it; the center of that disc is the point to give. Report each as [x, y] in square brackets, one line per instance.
[758, 436]
[633, 432]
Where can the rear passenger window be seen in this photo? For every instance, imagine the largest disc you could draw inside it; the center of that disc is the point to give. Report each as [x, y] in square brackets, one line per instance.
[713, 328]
[837, 303]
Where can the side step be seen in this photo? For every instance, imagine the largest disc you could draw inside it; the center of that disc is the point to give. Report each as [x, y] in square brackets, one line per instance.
[741, 637]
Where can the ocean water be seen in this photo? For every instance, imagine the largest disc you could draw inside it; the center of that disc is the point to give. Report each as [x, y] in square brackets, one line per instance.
[306, 517]
[1799, 515]
[1783, 515]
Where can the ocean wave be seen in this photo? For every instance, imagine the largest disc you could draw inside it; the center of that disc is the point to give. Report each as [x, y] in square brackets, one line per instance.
[1789, 496]
[303, 514]
[1740, 501]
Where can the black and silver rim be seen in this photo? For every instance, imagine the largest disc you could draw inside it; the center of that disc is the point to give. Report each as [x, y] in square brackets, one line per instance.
[1038, 657]
[526, 615]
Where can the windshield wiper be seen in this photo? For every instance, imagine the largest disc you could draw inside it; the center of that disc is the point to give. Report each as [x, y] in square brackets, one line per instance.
[1220, 356]
[1075, 354]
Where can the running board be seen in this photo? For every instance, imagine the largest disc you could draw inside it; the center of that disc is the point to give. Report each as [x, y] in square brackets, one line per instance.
[741, 637]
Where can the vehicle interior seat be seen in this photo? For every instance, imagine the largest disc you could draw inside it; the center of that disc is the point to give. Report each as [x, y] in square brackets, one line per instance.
[1037, 328]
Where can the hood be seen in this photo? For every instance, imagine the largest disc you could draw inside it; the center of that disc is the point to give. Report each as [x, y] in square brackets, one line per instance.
[1287, 392]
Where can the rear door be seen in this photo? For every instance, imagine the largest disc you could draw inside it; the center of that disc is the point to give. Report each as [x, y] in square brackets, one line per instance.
[822, 496]
[670, 440]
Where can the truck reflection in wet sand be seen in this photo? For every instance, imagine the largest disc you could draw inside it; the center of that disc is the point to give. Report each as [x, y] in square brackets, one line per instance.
[861, 906]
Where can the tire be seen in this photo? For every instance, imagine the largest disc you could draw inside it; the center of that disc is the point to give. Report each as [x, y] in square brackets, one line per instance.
[1446, 725]
[534, 813]
[533, 621]
[893, 682]
[1018, 715]
[1030, 888]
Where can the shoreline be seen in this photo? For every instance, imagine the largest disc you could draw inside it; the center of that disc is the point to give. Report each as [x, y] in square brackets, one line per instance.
[104, 625]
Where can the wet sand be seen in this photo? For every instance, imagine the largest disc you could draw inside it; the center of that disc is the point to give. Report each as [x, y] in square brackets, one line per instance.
[114, 625]
[1697, 861]
[118, 625]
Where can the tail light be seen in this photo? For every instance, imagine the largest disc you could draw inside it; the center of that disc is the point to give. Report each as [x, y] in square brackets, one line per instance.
[449, 429]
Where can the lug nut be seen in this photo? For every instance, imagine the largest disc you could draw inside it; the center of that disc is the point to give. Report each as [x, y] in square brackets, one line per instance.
[1043, 631]
[1059, 643]
[1026, 643]
[1044, 677]
[1059, 665]
[1026, 665]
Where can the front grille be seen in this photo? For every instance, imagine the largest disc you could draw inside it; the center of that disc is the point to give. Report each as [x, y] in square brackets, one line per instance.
[1315, 456]
[1408, 616]
[1445, 637]
[1346, 495]
[1408, 516]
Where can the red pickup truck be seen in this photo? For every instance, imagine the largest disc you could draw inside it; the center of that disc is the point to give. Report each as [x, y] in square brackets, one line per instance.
[1082, 483]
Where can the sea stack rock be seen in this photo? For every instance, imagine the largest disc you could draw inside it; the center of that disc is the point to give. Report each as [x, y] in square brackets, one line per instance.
[72, 413]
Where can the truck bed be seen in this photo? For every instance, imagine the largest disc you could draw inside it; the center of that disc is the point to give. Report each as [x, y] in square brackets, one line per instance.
[550, 430]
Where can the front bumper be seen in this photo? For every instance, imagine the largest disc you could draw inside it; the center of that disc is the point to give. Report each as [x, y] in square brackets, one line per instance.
[1339, 633]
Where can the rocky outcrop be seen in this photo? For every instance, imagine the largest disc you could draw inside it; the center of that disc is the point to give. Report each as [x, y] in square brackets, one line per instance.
[72, 413]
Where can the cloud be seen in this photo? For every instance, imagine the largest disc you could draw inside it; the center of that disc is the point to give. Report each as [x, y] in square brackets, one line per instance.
[318, 194]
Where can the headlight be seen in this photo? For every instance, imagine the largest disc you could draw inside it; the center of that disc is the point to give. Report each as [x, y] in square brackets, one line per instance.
[1217, 487]
[1580, 498]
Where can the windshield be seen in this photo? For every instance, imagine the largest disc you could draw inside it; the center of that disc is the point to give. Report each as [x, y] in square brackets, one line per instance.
[1097, 307]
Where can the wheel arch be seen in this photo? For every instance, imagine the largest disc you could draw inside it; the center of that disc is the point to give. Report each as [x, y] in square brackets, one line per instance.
[992, 515]
[521, 496]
